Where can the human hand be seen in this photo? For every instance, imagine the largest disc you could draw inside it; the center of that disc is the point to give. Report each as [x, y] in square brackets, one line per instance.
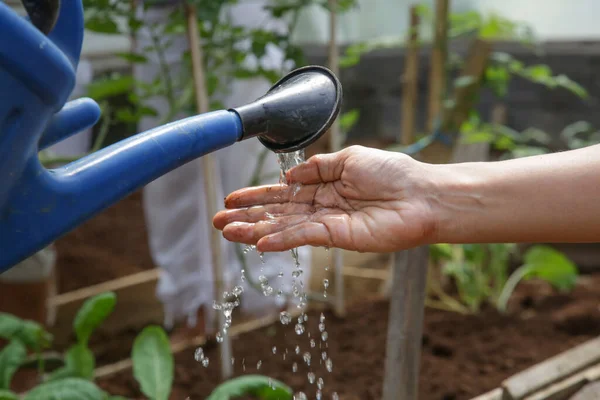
[359, 199]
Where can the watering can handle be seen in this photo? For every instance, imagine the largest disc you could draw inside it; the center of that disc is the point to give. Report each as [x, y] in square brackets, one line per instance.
[62, 21]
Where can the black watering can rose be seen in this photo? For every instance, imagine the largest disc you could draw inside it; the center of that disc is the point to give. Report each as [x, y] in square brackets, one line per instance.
[42, 13]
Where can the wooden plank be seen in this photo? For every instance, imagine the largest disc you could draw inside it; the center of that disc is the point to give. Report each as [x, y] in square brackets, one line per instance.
[495, 394]
[590, 391]
[367, 273]
[137, 305]
[556, 368]
[565, 388]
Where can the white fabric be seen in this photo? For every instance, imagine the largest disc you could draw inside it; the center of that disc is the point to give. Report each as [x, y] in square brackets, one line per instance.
[178, 224]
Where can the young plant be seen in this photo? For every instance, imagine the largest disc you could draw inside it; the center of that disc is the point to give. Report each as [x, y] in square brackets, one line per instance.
[481, 272]
[258, 386]
[73, 379]
[153, 369]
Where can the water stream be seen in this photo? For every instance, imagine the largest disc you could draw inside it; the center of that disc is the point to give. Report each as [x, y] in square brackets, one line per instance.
[231, 300]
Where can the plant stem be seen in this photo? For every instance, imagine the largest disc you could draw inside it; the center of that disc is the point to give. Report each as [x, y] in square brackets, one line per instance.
[164, 67]
[510, 286]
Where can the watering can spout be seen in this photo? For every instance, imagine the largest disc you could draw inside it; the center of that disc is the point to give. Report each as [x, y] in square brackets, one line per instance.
[295, 112]
[44, 204]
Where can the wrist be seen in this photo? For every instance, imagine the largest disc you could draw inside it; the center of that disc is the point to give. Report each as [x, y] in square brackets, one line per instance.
[459, 200]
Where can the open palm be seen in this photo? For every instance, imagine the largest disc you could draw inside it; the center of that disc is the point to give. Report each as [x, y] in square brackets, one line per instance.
[357, 199]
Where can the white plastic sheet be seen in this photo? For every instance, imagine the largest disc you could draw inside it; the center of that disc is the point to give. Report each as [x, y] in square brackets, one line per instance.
[178, 224]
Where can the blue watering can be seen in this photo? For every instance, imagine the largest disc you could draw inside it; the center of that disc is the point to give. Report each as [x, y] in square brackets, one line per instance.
[38, 59]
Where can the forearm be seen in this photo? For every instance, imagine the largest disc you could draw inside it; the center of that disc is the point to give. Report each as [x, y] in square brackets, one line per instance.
[549, 198]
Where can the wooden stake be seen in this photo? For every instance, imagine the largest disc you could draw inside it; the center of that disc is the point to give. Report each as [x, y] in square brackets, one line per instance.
[405, 324]
[410, 80]
[464, 100]
[437, 77]
[335, 144]
[208, 164]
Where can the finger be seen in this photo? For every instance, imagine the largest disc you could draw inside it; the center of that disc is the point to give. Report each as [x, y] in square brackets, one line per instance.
[320, 168]
[270, 194]
[251, 233]
[259, 213]
[304, 234]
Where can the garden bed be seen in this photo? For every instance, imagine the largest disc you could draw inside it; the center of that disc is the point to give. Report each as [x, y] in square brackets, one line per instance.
[111, 245]
[463, 356]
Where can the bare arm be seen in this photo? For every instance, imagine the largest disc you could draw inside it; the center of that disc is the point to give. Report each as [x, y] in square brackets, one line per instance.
[372, 200]
[547, 198]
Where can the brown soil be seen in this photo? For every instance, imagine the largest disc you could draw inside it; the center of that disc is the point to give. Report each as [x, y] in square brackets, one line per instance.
[111, 245]
[463, 356]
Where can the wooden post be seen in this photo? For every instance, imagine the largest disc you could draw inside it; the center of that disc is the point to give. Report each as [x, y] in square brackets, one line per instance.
[335, 144]
[405, 324]
[208, 165]
[410, 80]
[437, 77]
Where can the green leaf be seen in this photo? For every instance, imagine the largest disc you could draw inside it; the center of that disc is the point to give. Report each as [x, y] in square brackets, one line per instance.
[92, 313]
[349, 119]
[28, 332]
[440, 251]
[101, 89]
[79, 363]
[133, 57]
[464, 81]
[8, 395]
[11, 358]
[66, 389]
[254, 385]
[153, 363]
[549, 264]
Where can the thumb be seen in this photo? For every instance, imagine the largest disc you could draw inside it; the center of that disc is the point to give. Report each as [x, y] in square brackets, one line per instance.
[320, 168]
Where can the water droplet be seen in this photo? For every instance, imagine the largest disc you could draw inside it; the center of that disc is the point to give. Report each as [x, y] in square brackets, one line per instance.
[297, 273]
[329, 365]
[324, 336]
[312, 343]
[324, 355]
[232, 360]
[311, 377]
[305, 317]
[325, 283]
[238, 290]
[268, 291]
[199, 354]
[335, 396]
[205, 362]
[306, 356]
[300, 396]
[294, 367]
[216, 306]
[322, 318]
[319, 395]
[299, 329]
[219, 337]
[258, 364]
[263, 279]
[320, 383]
[297, 349]
[321, 327]
[285, 317]
[274, 349]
